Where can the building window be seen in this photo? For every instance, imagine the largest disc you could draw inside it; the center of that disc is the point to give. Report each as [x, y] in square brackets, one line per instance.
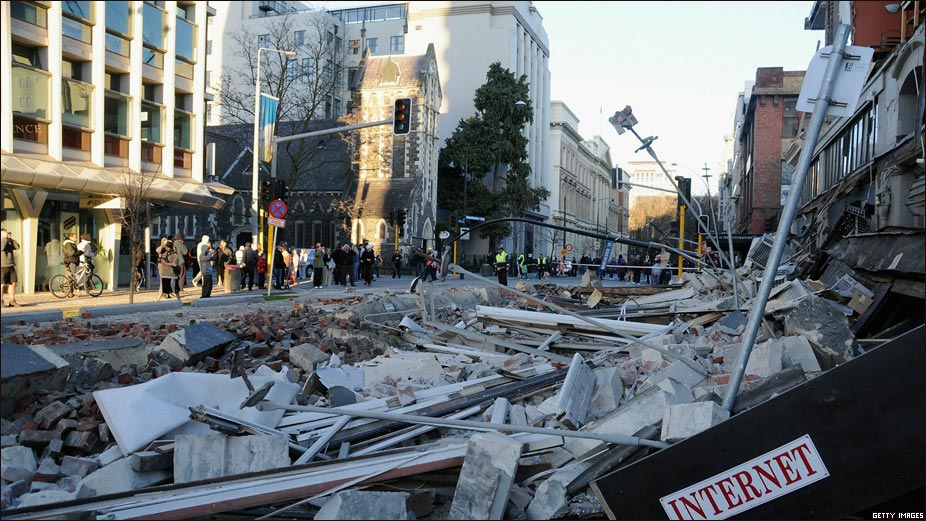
[263, 41]
[396, 44]
[151, 121]
[789, 118]
[183, 130]
[292, 70]
[208, 47]
[337, 108]
[76, 30]
[27, 56]
[118, 17]
[308, 70]
[116, 119]
[299, 38]
[78, 9]
[355, 46]
[186, 39]
[29, 13]
[76, 103]
[154, 26]
[31, 89]
[372, 45]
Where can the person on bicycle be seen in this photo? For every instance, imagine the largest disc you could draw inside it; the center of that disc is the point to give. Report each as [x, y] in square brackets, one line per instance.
[70, 254]
[85, 247]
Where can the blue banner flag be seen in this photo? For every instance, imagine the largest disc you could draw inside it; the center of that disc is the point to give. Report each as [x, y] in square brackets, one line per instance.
[267, 125]
[608, 245]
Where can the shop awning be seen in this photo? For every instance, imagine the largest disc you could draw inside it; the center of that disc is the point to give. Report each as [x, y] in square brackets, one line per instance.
[44, 174]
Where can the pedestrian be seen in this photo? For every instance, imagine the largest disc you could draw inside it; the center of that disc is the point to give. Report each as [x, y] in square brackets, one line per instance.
[501, 266]
[431, 266]
[249, 270]
[318, 267]
[287, 265]
[377, 264]
[8, 266]
[295, 263]
[199, 276]
[204, 258]
[344, 260]
[223, 257]
[367, 260]
[261, 270]
[329, 267]
[397, 265]
[169, 267]
[185, 260]
[85, 247]
[417, 260]
[278, 267]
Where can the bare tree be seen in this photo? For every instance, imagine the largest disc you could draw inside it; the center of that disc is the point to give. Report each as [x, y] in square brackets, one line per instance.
[134, 189]
[308, 85]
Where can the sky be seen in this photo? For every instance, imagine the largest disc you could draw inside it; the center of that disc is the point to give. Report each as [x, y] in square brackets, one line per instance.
[679, 65]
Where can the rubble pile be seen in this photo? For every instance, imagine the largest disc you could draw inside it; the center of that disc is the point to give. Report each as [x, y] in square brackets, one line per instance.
[371, 408]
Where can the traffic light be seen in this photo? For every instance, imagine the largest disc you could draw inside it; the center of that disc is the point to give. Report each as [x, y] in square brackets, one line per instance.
[266, 191]
[400, 218]
[402, 116]
[684, 188]
[391, 217]
[282, 191]
[454, 224]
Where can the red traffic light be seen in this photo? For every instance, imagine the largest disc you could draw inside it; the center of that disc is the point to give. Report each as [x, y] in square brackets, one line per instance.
[401, 116]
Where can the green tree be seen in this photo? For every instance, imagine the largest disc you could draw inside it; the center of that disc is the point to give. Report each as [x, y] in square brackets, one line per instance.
[491, 143]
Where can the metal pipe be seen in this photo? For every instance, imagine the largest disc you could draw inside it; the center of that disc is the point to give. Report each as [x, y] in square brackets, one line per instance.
[788, 212]
[618, 439]
[690, 363]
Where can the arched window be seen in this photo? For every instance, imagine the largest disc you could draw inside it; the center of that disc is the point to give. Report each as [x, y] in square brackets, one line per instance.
[381, 231]
[906, 103]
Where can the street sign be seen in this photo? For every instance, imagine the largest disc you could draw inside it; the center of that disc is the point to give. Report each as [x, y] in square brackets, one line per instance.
[848, 85]
[464, 234]
[474, 218]
[564, 251]
[279, 223]
[568, 247]
[278, 209]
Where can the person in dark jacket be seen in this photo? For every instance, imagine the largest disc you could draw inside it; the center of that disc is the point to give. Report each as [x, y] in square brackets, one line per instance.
[344, 261]
[397, 265]
[367, 263]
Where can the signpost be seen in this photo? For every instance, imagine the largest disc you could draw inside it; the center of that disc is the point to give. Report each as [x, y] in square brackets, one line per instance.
[568, 248]
[277, 211]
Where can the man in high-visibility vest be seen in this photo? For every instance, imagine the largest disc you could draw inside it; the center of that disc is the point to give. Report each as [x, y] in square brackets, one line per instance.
[501, 266]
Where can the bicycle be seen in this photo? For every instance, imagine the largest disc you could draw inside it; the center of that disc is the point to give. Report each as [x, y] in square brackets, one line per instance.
[67, 284]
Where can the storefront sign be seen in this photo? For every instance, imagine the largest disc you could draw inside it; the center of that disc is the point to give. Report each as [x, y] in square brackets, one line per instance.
[102, 202]
[771, 475]
[29, 130]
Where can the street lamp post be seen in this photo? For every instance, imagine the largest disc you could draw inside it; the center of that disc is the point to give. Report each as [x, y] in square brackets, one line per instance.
[255, 166]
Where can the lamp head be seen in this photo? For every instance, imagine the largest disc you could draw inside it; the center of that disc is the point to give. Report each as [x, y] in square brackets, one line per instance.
[892, 8]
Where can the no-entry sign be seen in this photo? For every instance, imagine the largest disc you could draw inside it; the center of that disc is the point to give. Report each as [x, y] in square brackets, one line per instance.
[278, 208]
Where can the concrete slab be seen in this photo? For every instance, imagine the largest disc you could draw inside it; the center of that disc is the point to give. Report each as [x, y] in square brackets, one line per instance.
[30, 317]
[198, 457]
[798, 351]
[118, 477]
[194, 343]
[307, 356]
[249, 298]
[644, 409]
[122, 309]
[488, 471]
[25, 370]
[364, 504]
[687, 419]
[119, 352]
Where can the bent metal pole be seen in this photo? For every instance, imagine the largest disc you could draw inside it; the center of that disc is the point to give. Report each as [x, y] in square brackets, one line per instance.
[787, 215]
[617, 439]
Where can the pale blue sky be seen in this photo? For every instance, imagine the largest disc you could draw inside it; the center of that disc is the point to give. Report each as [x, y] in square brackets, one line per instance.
[680, 65]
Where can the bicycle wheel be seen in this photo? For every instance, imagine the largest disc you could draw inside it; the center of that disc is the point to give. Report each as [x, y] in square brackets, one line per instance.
[94, 285]
[60, 286]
